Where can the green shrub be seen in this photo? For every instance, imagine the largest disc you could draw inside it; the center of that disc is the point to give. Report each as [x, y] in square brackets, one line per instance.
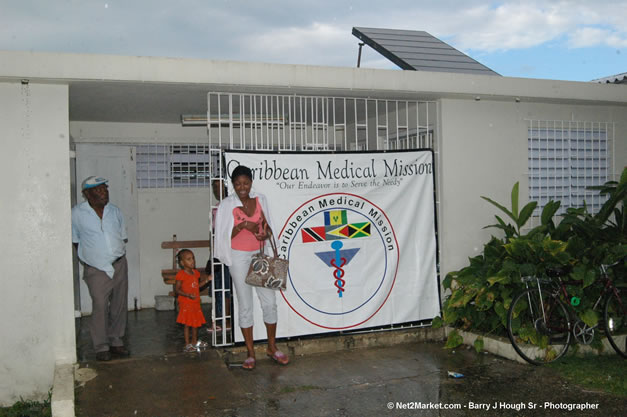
[481, 293]
[24, 408]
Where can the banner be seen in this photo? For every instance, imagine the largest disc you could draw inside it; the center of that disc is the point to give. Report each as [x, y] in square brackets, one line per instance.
[359, 232]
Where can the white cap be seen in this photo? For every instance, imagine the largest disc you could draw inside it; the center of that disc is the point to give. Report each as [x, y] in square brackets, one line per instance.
[93, 181]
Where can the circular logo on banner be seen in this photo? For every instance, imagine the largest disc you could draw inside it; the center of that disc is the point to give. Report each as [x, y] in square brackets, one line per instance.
[343, 256]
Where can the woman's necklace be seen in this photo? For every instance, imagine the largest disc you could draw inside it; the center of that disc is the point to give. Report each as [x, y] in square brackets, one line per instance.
[245, 204]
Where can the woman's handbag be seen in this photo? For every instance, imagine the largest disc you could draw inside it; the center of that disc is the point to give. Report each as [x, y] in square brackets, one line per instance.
[268, 271]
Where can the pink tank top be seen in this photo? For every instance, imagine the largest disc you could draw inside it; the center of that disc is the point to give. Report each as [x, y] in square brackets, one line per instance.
[245, 240]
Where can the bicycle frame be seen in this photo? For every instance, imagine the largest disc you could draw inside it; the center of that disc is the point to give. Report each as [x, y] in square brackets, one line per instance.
[557, 287]
[552, 319]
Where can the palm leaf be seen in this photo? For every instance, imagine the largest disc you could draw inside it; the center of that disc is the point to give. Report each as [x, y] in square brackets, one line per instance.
[549, 211]
[515, 202]
[525, 213]
[499, 206]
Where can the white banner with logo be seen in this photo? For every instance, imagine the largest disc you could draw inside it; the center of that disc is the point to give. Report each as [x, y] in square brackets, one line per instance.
[359, 232]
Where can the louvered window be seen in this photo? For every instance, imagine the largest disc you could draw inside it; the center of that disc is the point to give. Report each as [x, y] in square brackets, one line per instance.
[565, 158]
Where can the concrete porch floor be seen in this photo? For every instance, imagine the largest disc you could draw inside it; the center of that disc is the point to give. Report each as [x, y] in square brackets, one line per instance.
[148, 333]
[393, 373]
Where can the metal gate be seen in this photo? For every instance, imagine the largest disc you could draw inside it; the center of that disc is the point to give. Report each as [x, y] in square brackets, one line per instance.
[309, 124]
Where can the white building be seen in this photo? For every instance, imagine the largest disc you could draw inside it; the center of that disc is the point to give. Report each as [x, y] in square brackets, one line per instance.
[105, 109]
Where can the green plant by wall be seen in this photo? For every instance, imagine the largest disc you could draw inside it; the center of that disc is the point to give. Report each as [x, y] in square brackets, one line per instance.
[26, 408]
[481, 293]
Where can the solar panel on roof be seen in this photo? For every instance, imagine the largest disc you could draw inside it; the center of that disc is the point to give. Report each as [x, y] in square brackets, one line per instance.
[419, 51]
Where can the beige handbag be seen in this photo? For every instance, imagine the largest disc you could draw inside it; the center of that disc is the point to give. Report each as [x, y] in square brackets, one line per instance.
[268, 271]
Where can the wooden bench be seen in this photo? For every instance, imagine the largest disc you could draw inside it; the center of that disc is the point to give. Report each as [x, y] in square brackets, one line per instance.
[176, 245]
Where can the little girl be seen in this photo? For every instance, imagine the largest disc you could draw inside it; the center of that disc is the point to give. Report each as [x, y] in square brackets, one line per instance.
[188, 290]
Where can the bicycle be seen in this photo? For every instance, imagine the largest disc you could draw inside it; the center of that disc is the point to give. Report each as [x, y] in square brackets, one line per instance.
[540, 324]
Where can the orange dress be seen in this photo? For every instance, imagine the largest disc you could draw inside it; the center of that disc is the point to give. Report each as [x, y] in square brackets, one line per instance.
[190, 313]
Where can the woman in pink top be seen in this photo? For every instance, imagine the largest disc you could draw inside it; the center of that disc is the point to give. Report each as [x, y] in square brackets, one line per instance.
[242, 221]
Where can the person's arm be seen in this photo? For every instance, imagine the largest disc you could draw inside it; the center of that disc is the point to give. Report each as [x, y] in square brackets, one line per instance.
[179, 291]
[265, 231]
[208, 277]
[250, 226]
[224, 227]
[122, 223]
[237, 229]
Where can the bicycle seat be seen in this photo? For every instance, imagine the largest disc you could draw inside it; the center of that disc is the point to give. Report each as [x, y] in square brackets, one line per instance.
[557, 271]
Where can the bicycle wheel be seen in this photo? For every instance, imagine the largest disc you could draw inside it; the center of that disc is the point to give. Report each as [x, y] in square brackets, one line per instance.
[615, 315]
[538, 326]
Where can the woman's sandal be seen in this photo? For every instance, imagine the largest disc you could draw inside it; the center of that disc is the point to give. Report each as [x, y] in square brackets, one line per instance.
[279, 357]
[249, 363]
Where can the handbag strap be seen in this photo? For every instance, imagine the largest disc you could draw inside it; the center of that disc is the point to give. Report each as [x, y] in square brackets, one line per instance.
[270, 238]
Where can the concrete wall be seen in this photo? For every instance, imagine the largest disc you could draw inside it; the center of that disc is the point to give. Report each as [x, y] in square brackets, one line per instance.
[482, 151]
[296, 79]
[163, 213]
[36, 302]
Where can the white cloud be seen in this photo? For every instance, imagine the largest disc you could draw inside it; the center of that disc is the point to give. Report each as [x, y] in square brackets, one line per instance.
[506, 25]
[308, 32]
[592, 36]
[314, 44]
[509, 26]
[290, 38]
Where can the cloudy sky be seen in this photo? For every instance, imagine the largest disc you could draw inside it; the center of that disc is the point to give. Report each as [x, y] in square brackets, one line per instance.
[576, 40]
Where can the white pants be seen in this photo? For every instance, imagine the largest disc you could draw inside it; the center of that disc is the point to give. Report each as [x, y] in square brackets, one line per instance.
[244, 292]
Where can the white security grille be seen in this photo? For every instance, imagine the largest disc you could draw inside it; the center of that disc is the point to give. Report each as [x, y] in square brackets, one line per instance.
[173, 165]
[309, 123]
[566, 157]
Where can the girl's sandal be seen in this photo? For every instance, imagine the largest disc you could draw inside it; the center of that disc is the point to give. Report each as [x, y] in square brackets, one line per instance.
[249, 363]
[279, 357]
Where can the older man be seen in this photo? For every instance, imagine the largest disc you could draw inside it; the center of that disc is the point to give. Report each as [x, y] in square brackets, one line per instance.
[99, 233]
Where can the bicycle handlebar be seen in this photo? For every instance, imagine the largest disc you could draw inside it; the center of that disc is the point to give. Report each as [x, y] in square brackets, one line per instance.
[605, 266]
[530, 278]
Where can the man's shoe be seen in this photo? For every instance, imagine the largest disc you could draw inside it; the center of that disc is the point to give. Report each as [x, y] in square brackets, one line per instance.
[103, 356]
[119, 351]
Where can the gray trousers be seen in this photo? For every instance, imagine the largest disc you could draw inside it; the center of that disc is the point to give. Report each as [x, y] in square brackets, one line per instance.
[109, 304]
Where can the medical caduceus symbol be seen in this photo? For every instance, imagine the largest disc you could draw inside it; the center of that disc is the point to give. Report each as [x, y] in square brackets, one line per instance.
[336, 228]
[338, 273]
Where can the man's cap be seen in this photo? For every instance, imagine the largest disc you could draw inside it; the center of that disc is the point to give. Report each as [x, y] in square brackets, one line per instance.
[93, 181]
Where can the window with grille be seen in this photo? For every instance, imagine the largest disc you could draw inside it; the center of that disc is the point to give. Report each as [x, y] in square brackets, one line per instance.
[173, 165]
[566, 157]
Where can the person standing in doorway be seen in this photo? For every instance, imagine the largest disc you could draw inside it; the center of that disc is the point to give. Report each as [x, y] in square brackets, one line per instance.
[99, 234]
[220, 282]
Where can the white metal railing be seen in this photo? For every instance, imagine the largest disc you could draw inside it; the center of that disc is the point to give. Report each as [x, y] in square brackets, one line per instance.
[311, 123]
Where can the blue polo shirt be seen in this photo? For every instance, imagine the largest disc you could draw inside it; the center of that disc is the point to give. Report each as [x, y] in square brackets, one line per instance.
[100, 241]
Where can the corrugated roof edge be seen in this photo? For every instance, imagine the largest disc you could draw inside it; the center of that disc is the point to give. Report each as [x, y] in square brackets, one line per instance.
[612, 79]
